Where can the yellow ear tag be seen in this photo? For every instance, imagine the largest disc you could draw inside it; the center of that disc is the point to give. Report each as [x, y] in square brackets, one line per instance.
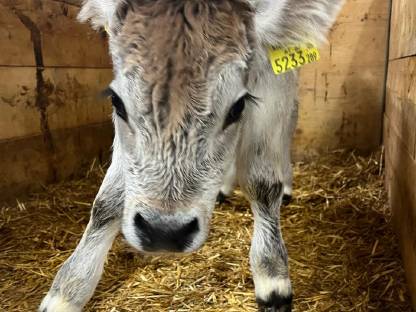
[285, 59]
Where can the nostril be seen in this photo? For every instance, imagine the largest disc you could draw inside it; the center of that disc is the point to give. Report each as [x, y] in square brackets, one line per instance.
[180, 239]
[190, 228]
[146, 232]
[139, 221]
[142, 224]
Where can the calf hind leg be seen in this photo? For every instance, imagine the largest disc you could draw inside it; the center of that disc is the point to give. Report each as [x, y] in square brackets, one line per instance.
[228, 184]
[287, 174]
[283, 152]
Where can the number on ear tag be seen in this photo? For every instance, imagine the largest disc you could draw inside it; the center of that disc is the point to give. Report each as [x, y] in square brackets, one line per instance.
[286, 59]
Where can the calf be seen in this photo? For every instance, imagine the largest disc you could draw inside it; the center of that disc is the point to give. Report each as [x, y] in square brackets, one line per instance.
[197, 109]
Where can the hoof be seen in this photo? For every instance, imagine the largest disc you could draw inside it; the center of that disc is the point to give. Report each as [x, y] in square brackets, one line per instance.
[275, 303]
[287, 199]
[273, 294]
[57, 304]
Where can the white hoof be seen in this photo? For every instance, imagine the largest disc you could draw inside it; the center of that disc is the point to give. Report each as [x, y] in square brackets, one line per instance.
[266, 286]
[287, 190]
[57, 304]
[274, 294]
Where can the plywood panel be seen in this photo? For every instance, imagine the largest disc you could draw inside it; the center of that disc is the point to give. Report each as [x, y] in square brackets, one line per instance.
[75, 98]
[15, 43]
[71, 99]
[52, 69]
[401, 101]
[27, 163]
[18, 113]
[401, 189]
[64, 41]
[400, 132]
[342, 95]
[403, 29]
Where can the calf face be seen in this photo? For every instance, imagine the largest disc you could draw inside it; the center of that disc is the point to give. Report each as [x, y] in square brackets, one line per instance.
[181, 85]
[181, 69]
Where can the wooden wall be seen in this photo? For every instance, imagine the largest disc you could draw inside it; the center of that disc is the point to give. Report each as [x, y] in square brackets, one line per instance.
[342, 96]
[51, 70]
[400, 131]
[52, 67]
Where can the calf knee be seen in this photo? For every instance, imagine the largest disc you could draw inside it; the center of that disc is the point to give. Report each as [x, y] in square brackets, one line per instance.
[266, 192]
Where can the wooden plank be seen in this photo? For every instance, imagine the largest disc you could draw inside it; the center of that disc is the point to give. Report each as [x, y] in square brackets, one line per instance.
[27, 163]
[400, 132]
[74, 100]
[403, 29]
[342, 95]
[64, 41]
[16, 45]
[401, 100]
[19, 114]
[401, 189]
[71, 99]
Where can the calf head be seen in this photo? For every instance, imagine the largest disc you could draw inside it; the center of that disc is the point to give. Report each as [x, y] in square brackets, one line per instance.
[181, 85]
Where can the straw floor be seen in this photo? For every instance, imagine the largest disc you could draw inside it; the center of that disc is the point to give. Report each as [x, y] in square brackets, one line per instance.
[343, 254]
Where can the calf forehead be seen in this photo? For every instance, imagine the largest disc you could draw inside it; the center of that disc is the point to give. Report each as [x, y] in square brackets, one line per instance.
[187, 30]
[177, 45]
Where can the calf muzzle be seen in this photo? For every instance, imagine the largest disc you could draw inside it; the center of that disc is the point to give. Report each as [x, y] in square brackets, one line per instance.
[170, 237]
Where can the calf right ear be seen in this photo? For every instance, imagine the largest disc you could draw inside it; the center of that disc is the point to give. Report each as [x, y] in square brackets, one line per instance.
[293, 22]
[100, 13]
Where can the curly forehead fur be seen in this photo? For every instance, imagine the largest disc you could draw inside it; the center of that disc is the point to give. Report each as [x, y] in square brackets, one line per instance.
[177, 45]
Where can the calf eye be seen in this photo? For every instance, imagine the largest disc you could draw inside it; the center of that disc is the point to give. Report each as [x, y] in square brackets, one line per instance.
[117, 103]
[119, 106]
[234, 114]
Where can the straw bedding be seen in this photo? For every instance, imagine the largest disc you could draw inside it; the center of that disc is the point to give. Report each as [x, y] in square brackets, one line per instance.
[343, 254]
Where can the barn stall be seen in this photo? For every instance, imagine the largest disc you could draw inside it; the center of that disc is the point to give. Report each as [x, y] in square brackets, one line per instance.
[356, 137]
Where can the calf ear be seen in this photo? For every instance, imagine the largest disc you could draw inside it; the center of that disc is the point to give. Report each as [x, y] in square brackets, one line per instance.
[291, 22]
[99, 12]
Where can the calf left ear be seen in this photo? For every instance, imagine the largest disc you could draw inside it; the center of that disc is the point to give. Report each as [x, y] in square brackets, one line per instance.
[292, 22]
[99, 12]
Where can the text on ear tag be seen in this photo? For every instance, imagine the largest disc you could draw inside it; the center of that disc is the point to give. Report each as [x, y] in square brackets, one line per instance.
[285, 59]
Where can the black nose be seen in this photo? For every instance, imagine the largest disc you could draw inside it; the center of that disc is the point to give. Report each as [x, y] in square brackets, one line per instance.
[156, 236]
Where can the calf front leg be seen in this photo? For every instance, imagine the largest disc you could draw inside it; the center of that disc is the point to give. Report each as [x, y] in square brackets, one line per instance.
[268, 255]
[78, 277]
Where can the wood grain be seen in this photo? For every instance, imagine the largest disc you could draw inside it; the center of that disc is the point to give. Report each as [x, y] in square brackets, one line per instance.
[26, 163]
[52, 69]
[65, 41]
[342, 95]
[403, 29]
[71, 95]
[401, 189]
[400, 132]
[401, 101]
